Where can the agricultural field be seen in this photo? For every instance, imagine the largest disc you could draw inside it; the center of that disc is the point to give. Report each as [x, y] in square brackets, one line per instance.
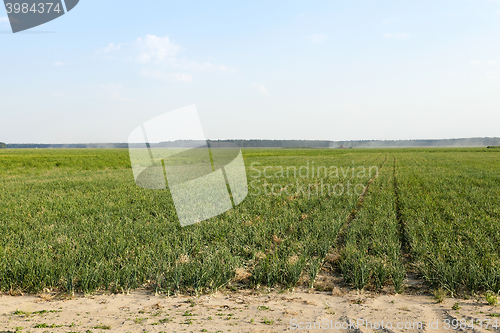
[74, 221]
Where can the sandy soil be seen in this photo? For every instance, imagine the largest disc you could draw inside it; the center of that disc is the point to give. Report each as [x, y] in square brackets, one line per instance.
[245, 311]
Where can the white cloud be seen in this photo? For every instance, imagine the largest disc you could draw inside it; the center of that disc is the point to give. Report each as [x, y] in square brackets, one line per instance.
[4, 19]
[476, 62]
[157, 55]
[143, 50]
[112, 47]
[155, 48]
[58, 64]
[156, 74]
[485, 75]
[205, 66]
[260, 88]
[113, 92]
[223, 68]
[317, 38]
[182, 77]
[397, 35]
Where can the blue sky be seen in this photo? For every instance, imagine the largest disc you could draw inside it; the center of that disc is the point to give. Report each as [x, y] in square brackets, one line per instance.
[329, 70]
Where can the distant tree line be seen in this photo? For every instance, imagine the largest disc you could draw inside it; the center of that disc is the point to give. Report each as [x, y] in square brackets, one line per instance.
[69, 145]
[3, 145]
[468, 142]
[277, 143]
[247, 143]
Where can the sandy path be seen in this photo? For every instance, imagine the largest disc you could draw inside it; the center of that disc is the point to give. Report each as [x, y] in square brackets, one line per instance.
[242, 311]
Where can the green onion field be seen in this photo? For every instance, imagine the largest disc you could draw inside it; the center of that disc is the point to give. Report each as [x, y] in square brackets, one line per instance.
[73, 220]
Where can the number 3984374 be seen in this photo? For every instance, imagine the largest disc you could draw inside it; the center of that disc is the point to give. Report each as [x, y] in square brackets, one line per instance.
[36, 8]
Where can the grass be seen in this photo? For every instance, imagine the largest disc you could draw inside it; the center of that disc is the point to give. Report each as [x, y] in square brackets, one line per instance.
[44, 325]
[491, 298]
[74, 220]
[102, 327]
[140, 320]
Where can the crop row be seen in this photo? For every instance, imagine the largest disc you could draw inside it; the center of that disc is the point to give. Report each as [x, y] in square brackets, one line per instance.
[372, 247]
[450, 206]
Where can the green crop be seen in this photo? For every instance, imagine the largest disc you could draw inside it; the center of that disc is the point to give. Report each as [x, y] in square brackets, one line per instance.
[74, 220]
